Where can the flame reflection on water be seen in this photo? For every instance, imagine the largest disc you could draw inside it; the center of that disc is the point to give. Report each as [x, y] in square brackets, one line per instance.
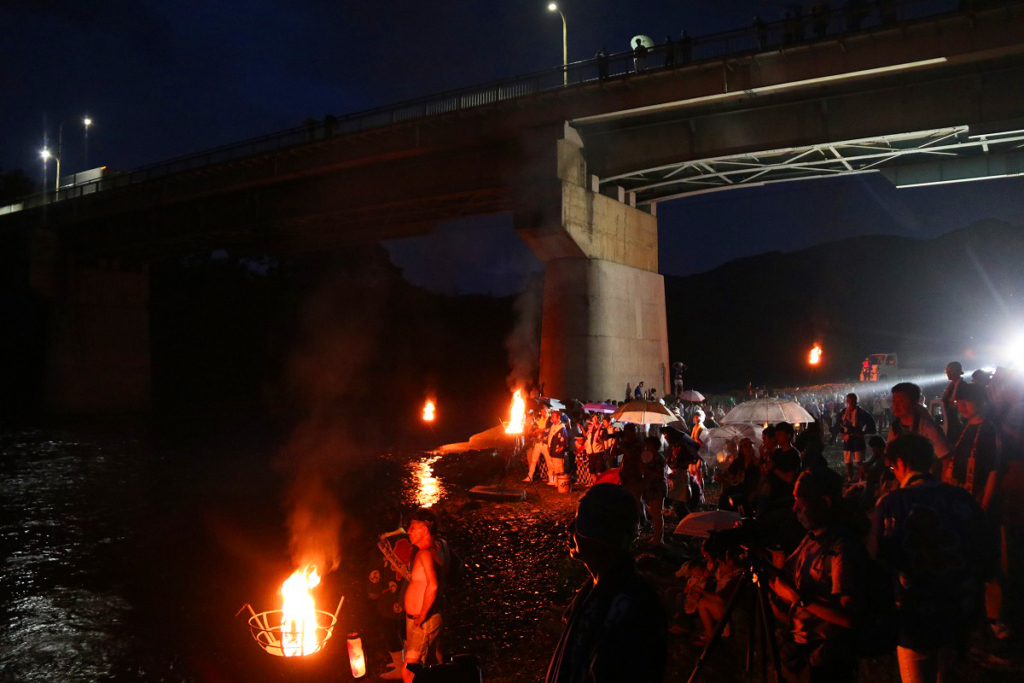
[428, 490]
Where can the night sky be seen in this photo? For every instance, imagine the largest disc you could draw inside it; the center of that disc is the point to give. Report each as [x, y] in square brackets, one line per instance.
[163, 79]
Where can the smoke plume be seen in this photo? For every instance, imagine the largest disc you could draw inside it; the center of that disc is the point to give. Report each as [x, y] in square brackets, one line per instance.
[523, 343]
[325, 379]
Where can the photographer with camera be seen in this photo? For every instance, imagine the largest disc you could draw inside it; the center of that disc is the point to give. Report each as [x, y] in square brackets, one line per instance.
[615, 628]
[820, 587]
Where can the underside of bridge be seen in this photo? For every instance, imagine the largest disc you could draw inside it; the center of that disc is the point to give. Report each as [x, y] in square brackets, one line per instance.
[922, 102]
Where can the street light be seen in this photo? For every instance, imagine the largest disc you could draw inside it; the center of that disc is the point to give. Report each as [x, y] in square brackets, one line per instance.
[46, 155]
[85, 141]
[86, 122]
[565, 44]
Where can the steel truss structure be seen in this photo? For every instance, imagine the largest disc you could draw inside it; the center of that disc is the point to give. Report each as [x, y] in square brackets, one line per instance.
[699, 176]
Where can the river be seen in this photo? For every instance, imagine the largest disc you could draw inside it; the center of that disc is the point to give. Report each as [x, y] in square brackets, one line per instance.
[127, 555]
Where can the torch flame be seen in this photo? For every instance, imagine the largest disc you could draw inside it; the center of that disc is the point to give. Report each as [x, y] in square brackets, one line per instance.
[428, 412]
[517, 416]
[298, 626]
[815, 356]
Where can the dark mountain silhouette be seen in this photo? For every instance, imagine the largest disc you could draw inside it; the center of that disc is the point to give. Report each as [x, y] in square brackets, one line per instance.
[930, 300]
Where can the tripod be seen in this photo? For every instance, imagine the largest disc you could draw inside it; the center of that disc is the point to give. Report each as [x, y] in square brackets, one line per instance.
[760, 624]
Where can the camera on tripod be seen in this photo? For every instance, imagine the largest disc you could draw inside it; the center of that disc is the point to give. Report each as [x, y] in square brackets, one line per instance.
[746, 534]
[747, 542]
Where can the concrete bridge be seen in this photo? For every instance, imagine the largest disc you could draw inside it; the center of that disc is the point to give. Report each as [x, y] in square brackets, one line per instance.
[582, 167]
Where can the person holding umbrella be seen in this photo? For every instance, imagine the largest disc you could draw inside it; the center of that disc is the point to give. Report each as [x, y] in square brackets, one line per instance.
[686, 486]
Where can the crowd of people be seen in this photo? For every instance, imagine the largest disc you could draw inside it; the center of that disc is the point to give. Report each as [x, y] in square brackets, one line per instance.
[799, 22]
[913, 547]
[916, 546]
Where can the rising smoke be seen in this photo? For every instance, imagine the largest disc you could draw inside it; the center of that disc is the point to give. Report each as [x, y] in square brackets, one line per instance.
[324, 378]
[523, 343]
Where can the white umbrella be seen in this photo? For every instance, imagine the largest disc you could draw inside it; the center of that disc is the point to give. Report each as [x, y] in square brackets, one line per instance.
[644, 413]
[644, 40]
[700, 523]
[770, 410]
[692, 396]
[718, 436]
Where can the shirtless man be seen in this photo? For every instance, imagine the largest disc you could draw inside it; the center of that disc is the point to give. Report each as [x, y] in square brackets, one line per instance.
[422, 604]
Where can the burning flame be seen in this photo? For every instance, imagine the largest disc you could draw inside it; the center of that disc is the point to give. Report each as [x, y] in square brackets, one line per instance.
[517, 415]
[298, 626]
[815, 356]
[428, 412]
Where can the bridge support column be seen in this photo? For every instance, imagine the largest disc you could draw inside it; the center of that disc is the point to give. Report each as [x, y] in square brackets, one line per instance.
[97, 339]
[604, 322]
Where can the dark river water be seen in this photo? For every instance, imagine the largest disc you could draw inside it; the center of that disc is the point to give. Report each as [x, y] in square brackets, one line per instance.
[126, 556]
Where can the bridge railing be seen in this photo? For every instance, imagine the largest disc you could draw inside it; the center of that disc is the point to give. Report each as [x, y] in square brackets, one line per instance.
[789, 32]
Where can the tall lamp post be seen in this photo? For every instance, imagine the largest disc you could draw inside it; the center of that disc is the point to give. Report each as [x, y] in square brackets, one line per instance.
[565, 44]
[47, 154]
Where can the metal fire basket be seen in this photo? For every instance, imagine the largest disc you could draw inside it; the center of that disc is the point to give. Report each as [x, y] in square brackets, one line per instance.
[265, 628]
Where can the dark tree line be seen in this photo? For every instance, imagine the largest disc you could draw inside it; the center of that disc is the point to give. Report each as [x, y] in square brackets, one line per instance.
[14, 185]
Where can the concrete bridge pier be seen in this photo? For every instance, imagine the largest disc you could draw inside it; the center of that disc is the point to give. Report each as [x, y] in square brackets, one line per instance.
[97, 355]
[604, 322]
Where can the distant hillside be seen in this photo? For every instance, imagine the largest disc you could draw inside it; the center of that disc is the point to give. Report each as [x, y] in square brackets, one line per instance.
[754, 319]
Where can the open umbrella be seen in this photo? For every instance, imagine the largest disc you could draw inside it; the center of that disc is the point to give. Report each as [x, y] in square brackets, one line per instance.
[645, 413]
[770, 410]
[701, 523]
[545, 402]
[692, 396]
[606, 408]
[718, 436]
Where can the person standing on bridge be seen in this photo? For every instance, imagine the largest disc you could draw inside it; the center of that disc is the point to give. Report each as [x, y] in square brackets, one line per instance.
[670, 52]
[685, 47]
[761, 28]
[819, 18]
[856, 12]
[639, 56]
[602, 63]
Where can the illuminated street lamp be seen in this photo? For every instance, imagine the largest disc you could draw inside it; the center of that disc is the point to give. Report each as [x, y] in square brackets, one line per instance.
[565, 44]
[46, 155]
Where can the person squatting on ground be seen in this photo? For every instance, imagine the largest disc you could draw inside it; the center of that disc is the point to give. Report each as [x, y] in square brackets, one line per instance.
[615, 628]
[855, 423]
[740, 480]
